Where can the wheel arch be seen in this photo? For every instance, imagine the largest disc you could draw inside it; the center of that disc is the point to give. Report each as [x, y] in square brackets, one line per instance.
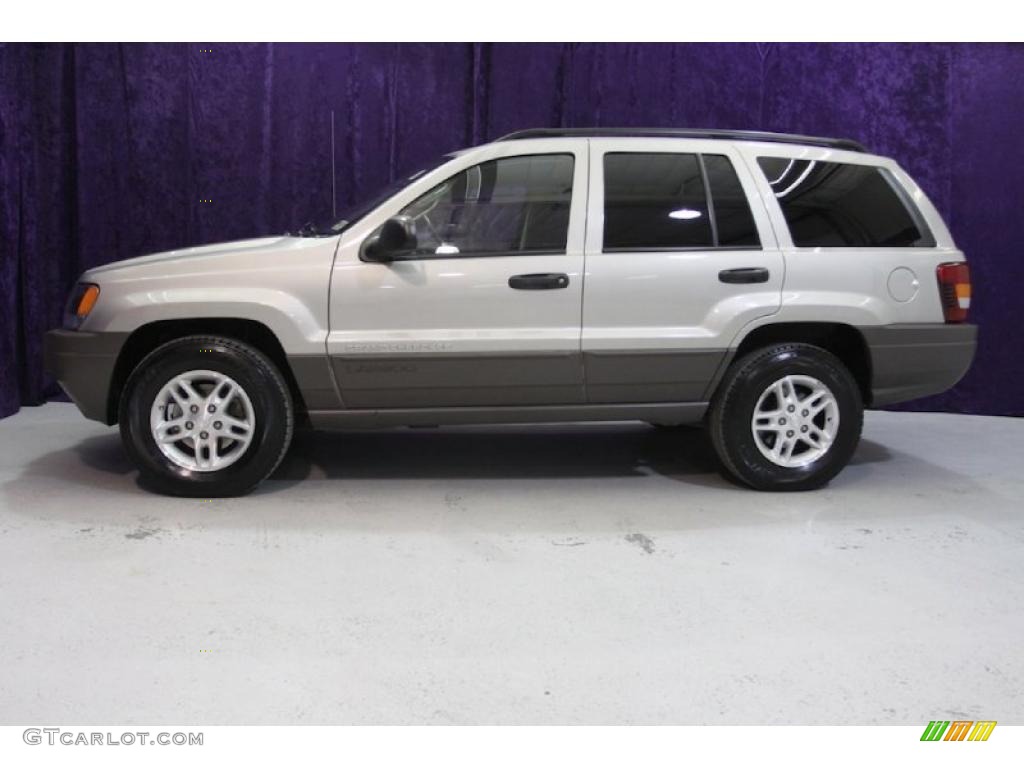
[844, 341]
[148, 337]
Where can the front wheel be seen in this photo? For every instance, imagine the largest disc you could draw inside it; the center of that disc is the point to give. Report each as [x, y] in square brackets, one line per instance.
[786, 418]
[206, 416]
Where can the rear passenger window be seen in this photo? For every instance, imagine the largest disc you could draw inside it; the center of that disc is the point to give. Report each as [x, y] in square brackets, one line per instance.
[837, 204]
[654, 201]
[665, 201]
[733, 221]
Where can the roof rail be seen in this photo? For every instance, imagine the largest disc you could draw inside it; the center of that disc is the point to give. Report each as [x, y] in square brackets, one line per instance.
[687, 133]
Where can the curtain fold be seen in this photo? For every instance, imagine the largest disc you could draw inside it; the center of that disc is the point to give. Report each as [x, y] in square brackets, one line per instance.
[108, 151]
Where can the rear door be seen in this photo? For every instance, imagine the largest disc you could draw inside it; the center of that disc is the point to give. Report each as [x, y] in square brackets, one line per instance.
[677, 262]
[486, 312]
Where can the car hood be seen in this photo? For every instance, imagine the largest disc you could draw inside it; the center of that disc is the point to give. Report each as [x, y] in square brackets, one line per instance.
[204, 253]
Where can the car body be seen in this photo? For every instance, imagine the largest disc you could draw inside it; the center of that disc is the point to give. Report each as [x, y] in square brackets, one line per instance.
[559, 275]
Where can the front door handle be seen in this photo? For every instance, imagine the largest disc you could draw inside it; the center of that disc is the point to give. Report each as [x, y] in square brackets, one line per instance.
[541, 281]
[744, 275]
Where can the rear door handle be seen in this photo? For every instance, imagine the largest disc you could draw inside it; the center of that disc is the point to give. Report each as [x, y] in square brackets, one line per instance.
[541, 281]
[744, 275]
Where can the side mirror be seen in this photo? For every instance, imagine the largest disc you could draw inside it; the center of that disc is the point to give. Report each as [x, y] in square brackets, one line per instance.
[397, 238]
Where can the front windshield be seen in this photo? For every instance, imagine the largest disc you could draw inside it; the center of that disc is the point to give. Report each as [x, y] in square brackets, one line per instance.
[354, 213]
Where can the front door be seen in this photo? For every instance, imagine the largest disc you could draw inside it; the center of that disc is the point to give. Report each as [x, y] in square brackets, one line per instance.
[677, 262]
[486, 310]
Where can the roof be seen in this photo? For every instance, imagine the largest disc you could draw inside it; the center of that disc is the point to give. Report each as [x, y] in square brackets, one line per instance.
[687, 133]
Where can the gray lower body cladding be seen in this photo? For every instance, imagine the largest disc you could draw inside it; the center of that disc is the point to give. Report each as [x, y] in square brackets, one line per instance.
[439, 381]
[83, 364]
[651, 376]
[433, 380]
[670, 386]
[909, 361]
[315, 381]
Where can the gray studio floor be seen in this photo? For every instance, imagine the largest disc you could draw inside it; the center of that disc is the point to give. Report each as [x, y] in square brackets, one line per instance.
[560, 574]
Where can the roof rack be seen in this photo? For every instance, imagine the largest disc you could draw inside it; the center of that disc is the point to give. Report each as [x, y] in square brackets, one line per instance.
[688, 133]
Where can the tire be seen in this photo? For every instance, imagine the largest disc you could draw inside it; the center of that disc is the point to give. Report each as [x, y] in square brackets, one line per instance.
[232, 454]
[772, 381]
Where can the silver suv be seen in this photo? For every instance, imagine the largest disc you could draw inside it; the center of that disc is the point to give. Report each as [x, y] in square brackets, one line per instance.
[769, 285]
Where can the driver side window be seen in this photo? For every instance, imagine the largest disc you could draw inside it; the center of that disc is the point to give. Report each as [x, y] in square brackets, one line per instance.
[512, 205]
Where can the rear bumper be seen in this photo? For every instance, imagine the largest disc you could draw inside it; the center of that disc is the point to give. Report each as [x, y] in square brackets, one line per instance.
[915, 360]
[83, 364]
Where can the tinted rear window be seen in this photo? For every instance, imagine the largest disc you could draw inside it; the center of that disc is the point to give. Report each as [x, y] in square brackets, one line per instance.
[654, 201]
[836, 204]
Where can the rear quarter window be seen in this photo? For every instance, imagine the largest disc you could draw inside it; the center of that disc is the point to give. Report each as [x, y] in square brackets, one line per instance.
[734, 221]
[844, 205]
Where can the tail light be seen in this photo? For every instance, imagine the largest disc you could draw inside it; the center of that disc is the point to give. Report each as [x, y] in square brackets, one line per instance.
[955, 290]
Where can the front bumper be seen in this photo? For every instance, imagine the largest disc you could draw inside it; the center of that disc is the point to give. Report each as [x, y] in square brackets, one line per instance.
[915, 360]
[83, 364]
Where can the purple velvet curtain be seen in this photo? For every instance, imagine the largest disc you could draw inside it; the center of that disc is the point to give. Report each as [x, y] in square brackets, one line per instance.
[107, 150]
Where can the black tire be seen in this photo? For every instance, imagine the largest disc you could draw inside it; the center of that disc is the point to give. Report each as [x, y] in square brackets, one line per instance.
[253, 371]
[732, 409]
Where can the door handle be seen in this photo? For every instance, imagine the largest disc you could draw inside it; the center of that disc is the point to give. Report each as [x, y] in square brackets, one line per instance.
[744, 275]
[541, 281]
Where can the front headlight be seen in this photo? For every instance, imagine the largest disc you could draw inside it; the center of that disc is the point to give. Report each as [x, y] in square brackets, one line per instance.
[80, 303]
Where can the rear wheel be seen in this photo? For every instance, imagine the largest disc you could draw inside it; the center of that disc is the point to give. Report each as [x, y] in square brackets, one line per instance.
[786, 417]
[206, 416]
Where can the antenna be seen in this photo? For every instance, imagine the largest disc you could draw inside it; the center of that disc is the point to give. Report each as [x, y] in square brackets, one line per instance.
[334, 185]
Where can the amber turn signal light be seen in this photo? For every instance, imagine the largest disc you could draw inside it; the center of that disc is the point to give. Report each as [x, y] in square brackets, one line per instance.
[87, 301]
[80, 304]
